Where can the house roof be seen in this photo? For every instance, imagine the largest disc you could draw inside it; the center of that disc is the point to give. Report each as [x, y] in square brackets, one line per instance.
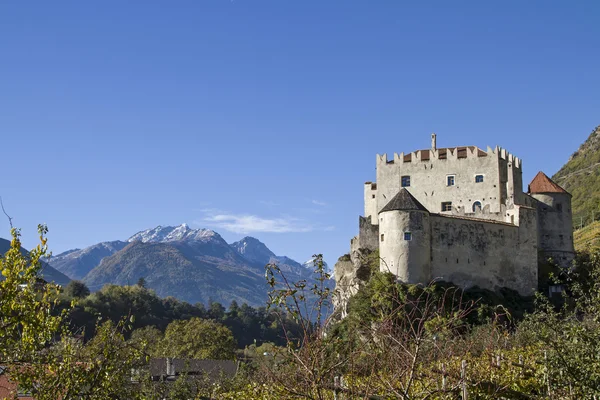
[214, 369]
[542, 184]
[403, 201]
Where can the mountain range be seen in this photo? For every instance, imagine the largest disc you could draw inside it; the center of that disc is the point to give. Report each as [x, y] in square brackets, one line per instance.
[194, 265]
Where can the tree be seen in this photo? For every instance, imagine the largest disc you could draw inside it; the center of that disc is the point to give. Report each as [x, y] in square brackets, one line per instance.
[141, 282]
[198, 339]
[148, 337]
[77, 289]
[36, 349]
[217, 311]
[27, 324]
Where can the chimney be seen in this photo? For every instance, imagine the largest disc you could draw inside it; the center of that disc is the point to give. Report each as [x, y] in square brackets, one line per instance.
[433, 141]
[170, 367]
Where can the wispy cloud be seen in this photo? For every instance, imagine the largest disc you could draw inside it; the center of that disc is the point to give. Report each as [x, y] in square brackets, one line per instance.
[268, 203]
[319, 203]
[248, 223]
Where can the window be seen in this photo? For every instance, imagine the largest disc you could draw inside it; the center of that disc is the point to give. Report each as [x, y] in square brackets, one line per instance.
[407, 235]
[382, 237]
[405, 181]
[478, 178]
[373, 196]
[477, 206]
[450, 180]
[559, 207]
[447, 206]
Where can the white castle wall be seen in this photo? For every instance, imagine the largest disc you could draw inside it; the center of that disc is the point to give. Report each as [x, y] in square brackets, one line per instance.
[429, 179]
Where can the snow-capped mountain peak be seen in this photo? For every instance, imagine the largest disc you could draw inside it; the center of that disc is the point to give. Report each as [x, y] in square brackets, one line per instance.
[173, 234]
[310, 264]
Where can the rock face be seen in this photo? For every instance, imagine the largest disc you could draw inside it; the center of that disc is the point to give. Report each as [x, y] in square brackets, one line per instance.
[350, 272]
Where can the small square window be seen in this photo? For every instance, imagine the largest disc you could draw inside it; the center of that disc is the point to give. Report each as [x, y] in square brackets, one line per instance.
[478, 178]
[407, 235]
[405, 181]
[450, 180]
[447, 206]
[382, 237]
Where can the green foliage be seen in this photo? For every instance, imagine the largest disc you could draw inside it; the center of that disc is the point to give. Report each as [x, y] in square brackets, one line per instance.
[197, 339]
[141, 282]
[580, 176]
[76, 290]
[27, 324]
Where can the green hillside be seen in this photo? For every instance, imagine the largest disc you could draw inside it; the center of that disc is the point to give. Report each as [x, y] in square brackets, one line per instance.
[580, 176]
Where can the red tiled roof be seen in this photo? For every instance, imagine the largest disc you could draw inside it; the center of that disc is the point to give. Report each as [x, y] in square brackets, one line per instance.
[542, 184]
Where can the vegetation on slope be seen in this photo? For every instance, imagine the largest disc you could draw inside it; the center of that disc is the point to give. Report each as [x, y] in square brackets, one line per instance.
[588, 237]
[580, 176]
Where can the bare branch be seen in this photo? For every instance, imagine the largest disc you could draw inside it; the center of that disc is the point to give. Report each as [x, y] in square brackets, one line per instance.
[4, 211]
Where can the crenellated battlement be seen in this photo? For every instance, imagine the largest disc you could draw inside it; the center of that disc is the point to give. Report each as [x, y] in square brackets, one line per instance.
[450, 153]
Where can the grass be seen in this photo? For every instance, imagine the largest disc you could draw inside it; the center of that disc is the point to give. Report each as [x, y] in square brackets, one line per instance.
[588, 237]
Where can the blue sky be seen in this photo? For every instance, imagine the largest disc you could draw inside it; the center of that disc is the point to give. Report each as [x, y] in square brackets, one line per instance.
[263, 118]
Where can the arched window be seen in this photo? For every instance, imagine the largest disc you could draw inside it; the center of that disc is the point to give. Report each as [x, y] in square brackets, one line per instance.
[476, 206]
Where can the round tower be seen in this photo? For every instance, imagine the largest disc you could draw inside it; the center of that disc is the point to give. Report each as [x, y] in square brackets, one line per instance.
[405, 239]
[554, 220]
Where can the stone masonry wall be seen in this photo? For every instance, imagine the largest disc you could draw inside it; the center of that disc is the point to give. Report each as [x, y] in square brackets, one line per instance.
[490, 255]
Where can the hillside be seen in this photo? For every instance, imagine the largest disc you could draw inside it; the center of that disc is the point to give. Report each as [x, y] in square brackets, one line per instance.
[77, 263]
[588, 237]
[48, 273]
[580, 176]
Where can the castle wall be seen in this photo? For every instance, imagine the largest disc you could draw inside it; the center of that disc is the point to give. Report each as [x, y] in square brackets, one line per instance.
[555, 227]
[490, 255]
[371, 201]
[368, 234]
[428, 178]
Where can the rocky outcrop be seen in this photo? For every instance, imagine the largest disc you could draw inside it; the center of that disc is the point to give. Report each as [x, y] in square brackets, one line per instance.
[351, 272]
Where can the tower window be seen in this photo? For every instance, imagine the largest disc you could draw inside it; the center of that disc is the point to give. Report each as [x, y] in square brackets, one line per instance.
[373, 196]
[405, 181]
[559, 207]
[382, 237]
[447, 206]
[476, 206]
[407, 235]
[450, 180]
[478, 178]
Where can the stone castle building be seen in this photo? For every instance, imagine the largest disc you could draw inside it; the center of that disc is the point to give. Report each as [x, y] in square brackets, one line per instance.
[460, 215]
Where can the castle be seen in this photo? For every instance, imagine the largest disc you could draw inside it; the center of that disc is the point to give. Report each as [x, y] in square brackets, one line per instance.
[460, 215]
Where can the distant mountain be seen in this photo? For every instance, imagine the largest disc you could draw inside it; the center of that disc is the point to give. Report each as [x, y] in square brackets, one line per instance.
[194, 265]
[48, 273]
[188, 271]
[258, 253]
[310, 265]
[580, 176]
[77, 263]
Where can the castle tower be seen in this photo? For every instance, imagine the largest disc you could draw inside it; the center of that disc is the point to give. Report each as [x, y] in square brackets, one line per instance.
[555, 220]
[405, 239]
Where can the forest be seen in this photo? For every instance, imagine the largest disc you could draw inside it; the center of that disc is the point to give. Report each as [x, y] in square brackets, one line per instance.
[395, 340]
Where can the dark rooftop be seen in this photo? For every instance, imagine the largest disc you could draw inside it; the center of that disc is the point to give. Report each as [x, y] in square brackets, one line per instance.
[403, 201]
